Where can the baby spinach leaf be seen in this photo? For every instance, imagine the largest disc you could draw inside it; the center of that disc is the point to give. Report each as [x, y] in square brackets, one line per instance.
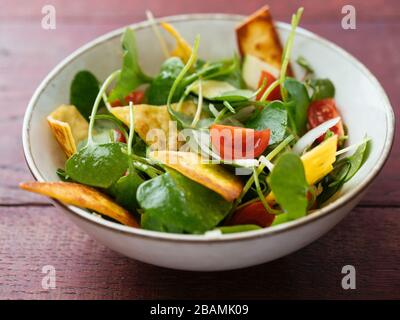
[98, 165]
[174, 203]
[289, 185]
[175, 115]
[62, 175]
[322, 89]
[231, 72]
[124, 190]
[297, 93]
[131, 75]
[239, 228]
[358, 158]
[157, 93]
[344, 170]
[83, 92]
[333, 182]
[235, 95]
[273, 117]
[139, 147]
[302, 62]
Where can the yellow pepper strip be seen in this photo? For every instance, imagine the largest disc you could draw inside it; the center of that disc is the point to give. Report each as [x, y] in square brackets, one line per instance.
[318, 162]
[182, 50]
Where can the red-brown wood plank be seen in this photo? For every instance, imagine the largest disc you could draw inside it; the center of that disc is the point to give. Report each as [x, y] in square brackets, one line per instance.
[100, 10]
[34, 237]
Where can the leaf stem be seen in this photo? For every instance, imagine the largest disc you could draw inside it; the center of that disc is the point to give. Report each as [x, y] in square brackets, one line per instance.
[96, 104]
[288, 50]
[220, 115]
[229, 106]
[267, 92]
[131, 127]
[113, 119]
[261, 195]
[269, 157]
[186, 68]
[199, 106]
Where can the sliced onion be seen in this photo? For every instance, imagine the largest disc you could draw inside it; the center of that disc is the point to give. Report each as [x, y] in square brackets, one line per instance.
[356, 145]
[245, 163]
[308, 139]
[267, 163]
[203, 140]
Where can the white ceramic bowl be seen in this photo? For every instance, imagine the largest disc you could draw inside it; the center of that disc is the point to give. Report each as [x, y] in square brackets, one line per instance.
[363, 104]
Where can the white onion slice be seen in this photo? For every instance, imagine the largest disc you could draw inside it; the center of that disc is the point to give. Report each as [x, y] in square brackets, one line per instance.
[307, 140]
[356, 145]
[203, 141]
[245, 163]
[267, 163]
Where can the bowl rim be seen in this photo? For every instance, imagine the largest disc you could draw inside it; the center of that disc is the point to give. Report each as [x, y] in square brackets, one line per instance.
[212, 237]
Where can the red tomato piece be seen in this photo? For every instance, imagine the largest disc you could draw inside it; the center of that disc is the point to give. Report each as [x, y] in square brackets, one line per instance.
[321, 111]
[119, 137]
[275, 94]
[136, 97]
[253, 213]
[238, 143]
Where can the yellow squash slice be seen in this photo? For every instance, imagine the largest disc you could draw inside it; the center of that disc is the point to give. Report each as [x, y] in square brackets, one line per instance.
[257, 36]
[182, 50]
[82, 196]
[149, 118]
[212, 176]
[318, 162]
[69, 127]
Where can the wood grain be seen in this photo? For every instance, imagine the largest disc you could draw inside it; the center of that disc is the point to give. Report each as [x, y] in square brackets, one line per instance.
[33, 234]
[95, 11]
[35, 237]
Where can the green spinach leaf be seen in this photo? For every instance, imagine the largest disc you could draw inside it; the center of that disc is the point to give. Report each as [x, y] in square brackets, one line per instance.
[174, 203]
[239, 228]
[289, 185]
[83, 92]
[344, 169]
[157, 93]
[322, 89]
[302, 62]
[124, 190]
[62, 175]
[231, 72]
[235, 95]
[273, 117]
[98, 165]
[131, 75]
[297, 93]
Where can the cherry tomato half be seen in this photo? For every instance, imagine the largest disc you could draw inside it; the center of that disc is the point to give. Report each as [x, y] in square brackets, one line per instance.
[136, 97]
[253, 213]
[321, 111]
[275, 94]
[238, 143]
[118, 136]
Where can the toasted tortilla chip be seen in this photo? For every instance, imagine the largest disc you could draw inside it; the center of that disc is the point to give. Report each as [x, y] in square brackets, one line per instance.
[258, 37]
[82, 196]
[212, 176]
[149, 118]
[69, 127]
[182, 49]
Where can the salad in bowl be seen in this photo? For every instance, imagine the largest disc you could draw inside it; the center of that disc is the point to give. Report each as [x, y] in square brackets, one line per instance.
[220, 146]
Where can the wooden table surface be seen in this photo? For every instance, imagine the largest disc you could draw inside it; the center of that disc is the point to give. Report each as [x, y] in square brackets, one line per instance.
[33, 234]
